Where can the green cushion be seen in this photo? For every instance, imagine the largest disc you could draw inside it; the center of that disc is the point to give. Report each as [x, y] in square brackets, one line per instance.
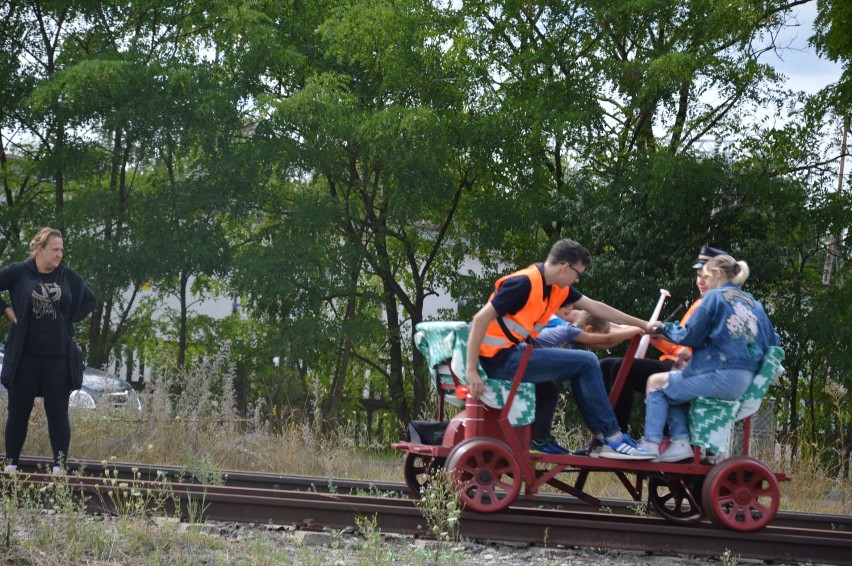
[443, 341]
[769, 371]
[711, 420]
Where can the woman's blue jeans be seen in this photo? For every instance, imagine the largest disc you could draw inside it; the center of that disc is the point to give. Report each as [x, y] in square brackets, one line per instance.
[548, 365]
[670, 403]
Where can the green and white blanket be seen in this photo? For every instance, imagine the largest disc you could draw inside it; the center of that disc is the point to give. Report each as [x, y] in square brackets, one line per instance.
[442, 341]
[711, 420]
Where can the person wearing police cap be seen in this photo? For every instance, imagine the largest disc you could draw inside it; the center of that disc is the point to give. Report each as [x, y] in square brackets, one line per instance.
[672, 356]
[705, 255]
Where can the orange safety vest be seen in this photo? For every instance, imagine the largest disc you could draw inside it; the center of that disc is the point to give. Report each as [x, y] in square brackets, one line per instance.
[668, 349]
[527, 322]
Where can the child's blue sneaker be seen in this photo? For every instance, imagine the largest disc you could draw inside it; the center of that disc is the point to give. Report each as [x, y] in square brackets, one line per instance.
[548, 446]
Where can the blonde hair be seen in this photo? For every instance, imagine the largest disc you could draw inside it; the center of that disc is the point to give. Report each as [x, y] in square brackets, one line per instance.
[735, 271]
[41, 238]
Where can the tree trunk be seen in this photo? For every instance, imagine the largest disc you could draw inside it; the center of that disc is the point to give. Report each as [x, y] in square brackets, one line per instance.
[182, 296]
[338, 381]
[833, 251]
[397, 383]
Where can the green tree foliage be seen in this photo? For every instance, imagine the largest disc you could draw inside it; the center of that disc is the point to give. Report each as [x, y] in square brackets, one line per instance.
[833, 39]
[333, 164]
[386, 148]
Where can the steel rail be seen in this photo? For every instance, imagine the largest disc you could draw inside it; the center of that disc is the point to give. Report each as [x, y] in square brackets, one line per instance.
[237, 478]
[791, 537]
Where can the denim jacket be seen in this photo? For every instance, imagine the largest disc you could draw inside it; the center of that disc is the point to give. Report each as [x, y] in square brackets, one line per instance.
[729, 330]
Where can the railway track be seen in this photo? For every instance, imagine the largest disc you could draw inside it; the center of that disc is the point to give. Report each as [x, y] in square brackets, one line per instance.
[317, 504]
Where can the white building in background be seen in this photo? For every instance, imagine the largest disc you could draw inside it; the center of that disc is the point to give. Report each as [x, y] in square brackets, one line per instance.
[434, 304]
[217, 308]
[220, 307]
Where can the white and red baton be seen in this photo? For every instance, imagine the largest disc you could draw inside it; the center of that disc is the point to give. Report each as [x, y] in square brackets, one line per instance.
[643, 342]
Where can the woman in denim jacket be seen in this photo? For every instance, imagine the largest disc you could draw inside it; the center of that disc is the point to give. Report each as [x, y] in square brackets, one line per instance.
[729, 334]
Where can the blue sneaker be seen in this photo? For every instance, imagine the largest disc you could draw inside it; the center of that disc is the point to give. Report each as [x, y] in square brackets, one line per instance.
[624, 448]
[548, 446]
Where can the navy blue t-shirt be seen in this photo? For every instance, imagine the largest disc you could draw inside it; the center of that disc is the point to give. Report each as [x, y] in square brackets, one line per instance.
[513, 294]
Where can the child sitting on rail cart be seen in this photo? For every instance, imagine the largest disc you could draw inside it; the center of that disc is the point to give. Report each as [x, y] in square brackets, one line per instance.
[587, 331]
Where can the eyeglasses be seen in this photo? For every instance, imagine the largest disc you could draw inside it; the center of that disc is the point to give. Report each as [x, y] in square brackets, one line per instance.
[574, 269]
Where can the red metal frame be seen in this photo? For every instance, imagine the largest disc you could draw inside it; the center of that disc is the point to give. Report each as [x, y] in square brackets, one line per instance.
[477, 420]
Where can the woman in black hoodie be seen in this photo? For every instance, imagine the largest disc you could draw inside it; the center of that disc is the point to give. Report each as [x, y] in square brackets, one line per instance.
[41, 357]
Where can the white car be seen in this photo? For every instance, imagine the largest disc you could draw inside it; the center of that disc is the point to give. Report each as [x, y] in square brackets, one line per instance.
[100, 388]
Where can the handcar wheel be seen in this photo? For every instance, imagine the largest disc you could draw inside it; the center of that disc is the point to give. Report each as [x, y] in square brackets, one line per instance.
[419, 471]
[677, 499]
[485, 473]
[741, 493]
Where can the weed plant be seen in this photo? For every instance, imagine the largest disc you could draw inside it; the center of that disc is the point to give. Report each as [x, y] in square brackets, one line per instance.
[132, 500]
[190, 419]
[441, 507]
[372, 548]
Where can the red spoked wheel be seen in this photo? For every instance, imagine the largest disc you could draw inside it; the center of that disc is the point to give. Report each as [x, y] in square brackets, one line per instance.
[741, 493]
[677, 499]
[419, 471]
[485, 473]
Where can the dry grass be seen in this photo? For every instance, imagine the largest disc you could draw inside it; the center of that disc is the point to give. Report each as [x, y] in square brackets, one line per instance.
[812, 488]
[200, 430]
[190, 420]
[299, 450]
[203, 432]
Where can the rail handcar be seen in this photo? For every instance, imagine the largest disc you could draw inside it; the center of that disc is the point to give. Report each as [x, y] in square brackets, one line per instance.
[485, 446]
